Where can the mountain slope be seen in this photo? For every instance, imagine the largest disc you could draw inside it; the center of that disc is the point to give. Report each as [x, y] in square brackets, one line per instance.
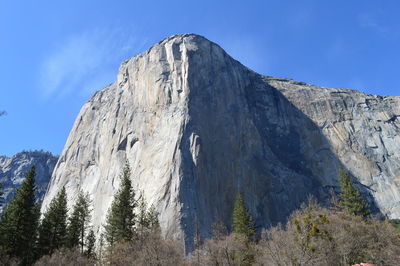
[197, 127]
[13, 170]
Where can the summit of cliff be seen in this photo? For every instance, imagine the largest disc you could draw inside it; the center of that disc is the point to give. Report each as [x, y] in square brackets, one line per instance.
[197, 127]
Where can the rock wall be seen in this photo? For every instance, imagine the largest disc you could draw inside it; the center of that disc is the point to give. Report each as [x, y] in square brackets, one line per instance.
[13, 170]
[197, 127]
[363, 133]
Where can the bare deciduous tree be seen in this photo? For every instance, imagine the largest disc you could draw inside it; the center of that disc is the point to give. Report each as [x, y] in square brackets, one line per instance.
[67, 257]
[151, 250]
[328, 237]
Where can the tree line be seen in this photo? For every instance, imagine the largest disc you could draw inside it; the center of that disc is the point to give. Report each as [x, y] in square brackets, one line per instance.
[344, 233]
[25, 238]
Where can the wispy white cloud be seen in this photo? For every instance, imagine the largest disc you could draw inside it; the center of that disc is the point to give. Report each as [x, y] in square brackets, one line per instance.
[368, 21]
[373, 23]
[87, 61]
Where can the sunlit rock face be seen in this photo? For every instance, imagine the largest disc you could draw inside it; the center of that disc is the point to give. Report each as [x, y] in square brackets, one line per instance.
[196, 127]
[13, 170]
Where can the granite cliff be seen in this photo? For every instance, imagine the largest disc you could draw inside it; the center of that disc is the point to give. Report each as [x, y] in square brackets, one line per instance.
[13, 170]
[196, 127]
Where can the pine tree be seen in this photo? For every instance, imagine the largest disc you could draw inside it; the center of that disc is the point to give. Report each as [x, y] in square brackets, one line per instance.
[1, 194]
[142, 220]
[19, 223]
[152, 218]
[90, 244]
[101, 246]
[242, 222]
[244, 232]
[121, 217]
[147, 219]
[53, 228]
[351, 200]
[79, 222]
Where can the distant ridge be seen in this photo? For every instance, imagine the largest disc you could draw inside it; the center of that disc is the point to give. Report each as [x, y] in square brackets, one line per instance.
[13, 170]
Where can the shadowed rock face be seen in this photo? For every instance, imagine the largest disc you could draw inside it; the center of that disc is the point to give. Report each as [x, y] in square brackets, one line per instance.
[196, 127]
[13, 170]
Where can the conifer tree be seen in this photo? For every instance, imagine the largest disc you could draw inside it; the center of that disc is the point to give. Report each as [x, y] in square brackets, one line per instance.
[121, 217]
[152, 218]
[79, 222]
[53, 228]
[242, 222]
[142, 220]
[147, 219]
[19, 223]
[1, 194]
[351, 199]
[90, 244]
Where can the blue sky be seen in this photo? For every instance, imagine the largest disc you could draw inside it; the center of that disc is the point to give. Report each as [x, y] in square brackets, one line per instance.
[55, 54]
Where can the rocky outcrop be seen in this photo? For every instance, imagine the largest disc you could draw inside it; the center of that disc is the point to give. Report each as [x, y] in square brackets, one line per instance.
[197, 127]
[363, 134]
[13, 170]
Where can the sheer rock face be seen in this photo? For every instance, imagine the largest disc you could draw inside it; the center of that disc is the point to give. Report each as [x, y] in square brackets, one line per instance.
[13, 170]
[197, 127]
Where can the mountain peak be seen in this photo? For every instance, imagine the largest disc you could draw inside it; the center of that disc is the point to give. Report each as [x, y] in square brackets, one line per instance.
[189, 36]
[177, 44]
[13, 170]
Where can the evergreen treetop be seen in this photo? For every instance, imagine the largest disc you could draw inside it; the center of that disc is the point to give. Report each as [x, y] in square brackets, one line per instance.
[351, 199]
[79, 222]
[19, 222]
[121, 217]
[242, 221]
[147, 219]
[90, 245]
[53, 228]
[152, 218]
[142, 220]
[1, 193]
